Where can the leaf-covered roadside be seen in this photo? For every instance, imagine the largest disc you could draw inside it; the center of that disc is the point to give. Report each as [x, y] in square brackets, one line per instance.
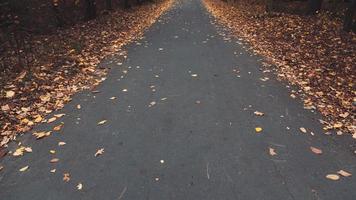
[65, 63]
[310, 52]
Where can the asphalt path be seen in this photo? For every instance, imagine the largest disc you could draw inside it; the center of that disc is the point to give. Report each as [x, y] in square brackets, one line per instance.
[182, 126]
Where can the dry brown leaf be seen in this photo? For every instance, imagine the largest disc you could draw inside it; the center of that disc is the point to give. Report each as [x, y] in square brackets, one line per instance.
[316, 150]
[66, 177]
[1, 167]
[58, 128]
[99, 152]
[344, 173]
[333, 177]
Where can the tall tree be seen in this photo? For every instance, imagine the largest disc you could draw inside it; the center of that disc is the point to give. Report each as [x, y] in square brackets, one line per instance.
[349, 23]
[314, 6]
[90, 9]
[108, 5]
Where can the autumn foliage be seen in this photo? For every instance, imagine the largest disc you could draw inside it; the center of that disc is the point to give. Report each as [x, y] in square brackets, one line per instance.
[312, 52]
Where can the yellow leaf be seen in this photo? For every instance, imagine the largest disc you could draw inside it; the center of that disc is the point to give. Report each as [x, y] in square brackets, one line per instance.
[38, 119]
[258, 129]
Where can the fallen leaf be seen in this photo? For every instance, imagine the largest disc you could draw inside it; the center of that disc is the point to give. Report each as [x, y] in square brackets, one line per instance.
[19, 152]
[10, 94]
[152, 104]
[53, 170]
[112, 98]
[194, 75]
[1, 167]
[344, 173]
[59, 115]
[102, 122]
[302, 129]
[50, 120]
[124, 90]
[99, 152]
[41, 134]
[80, 186]
[79, 106]
[24, 168]
[316, 150]
[61, 143]
[258, 113]
[38, 119]
[272, 151]
[333, 177]
[5, 107]
[54, 160]
[258, 129]
[58, 128]
[52, 151]
[66, 177]
[28, 149]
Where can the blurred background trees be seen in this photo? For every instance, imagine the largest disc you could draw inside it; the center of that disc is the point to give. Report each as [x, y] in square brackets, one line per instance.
[21, 20]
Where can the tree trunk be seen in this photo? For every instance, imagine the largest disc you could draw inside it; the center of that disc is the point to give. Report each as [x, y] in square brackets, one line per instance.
[90, 9]
[270, 5]
[314, 6]
[126, 4]
[108, 5]
[349, 15]
[57, 14]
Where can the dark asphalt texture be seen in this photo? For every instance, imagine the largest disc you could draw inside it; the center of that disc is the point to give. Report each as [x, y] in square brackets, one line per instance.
[204, 130]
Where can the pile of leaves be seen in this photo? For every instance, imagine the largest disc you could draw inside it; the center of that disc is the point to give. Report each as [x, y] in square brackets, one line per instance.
[66, 62]
[311, 52]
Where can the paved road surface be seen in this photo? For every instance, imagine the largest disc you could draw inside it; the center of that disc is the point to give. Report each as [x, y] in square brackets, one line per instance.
[203, 130]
